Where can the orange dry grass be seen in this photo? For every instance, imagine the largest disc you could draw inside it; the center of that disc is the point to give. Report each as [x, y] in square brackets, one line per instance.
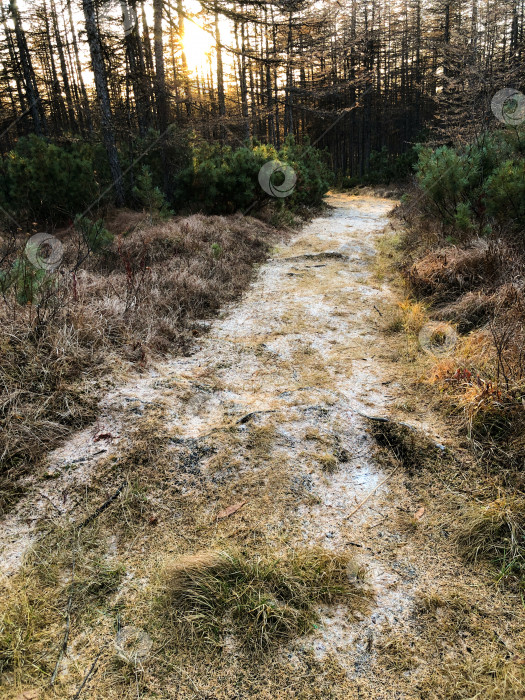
[491, 403]
[477, 349]
[413, 315]
[442, 370]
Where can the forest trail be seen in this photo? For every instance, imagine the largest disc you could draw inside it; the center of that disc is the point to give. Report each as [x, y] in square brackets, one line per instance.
[302, 340]
[265, 413]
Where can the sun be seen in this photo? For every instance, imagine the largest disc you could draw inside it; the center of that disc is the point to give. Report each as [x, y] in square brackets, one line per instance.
[197, 45]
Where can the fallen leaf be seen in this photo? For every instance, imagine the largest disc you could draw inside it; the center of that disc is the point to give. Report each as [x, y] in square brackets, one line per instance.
[230, 510]
[419, 513]
[103, 436]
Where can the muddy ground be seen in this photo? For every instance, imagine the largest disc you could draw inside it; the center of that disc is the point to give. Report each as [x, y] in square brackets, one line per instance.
[267, 415]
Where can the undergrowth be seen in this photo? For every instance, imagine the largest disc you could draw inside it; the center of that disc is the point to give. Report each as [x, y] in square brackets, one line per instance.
[462, 264]
[485, 669]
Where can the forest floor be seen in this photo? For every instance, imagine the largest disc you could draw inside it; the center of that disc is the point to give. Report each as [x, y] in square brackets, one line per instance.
[257, 445]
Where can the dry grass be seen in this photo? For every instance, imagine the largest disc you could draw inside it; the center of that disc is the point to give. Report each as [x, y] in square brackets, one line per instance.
[471, 311]
[489, 475]
[389, 247]
[24, 613]
[484, 386]
[408, 316]
[260, 600]
[490, 665]
[479, 384]
[478, 387]
[44, 396]
[139, 299]
[413, 316]
[328, 462]
[397, 651]
[410, 447]
[486, 676]
[495, 531]
[34, 601]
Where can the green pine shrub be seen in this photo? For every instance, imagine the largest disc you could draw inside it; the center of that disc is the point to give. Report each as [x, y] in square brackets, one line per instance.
[448, 178]
[463, 217]
[216, 250]
[25, 282]
[505, 192]
[223, 179]
[150, 197]
[476, 187]
[167, 159]
[314, 177]
[52, 184]
[47, 183]
[94, 233]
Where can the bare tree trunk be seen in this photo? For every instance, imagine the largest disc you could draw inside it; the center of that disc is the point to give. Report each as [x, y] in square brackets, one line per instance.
[288, 113]
[241, 61]
[15, 67]
[31, 87]
[220, 69]
[160, 88]
[54, 87]
[80, 78]
[137, 71]
[160, 70]
[101, 84]
[187, 85]
[63, 67]
[269, 90]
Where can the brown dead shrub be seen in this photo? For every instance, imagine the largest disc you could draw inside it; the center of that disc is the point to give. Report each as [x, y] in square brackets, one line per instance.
[450, 272]
[470, 311]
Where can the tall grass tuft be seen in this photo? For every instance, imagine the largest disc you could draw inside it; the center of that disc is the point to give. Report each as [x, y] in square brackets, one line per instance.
[261, 600]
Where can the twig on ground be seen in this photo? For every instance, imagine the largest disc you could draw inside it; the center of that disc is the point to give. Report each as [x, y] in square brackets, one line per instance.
[44, 495]
[103, 507]
[251, 415]
[88, 674]
[63, 647]
[372, 492]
